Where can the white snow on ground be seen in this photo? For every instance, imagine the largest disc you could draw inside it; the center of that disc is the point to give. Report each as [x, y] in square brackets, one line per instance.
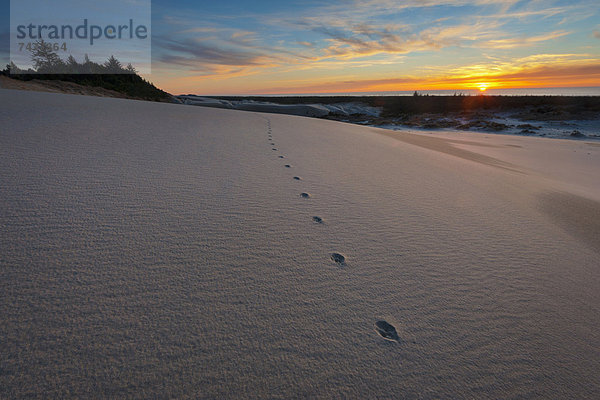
[162, 251]
[568, 129]
[306, 110]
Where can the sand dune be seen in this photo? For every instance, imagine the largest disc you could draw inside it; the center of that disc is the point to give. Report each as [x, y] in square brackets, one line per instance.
[166, 251]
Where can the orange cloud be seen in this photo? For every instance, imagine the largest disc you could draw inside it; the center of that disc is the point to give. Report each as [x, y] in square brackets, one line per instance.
[341, 48]
[538, 76]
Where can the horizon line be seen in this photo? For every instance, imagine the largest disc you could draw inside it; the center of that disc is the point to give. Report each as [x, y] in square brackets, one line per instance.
[391, 92]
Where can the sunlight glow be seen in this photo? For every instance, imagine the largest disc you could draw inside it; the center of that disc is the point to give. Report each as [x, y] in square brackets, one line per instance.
[325, 47]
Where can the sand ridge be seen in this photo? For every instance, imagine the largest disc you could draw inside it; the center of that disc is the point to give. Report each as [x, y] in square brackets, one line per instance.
[446, 146]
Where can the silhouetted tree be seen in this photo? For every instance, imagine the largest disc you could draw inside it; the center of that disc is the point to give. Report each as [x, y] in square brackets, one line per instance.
[113, 65]
[44, 59]
[131, 69]
[109, 75]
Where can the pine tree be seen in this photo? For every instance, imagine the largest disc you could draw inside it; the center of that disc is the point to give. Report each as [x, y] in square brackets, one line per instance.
[88, 66]
[72, 66]
[131, 69]
[113, 65]
[44, 59]
[71, 61]
[13, 69]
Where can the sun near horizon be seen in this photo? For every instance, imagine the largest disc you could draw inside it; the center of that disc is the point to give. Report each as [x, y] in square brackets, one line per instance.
[265, 47]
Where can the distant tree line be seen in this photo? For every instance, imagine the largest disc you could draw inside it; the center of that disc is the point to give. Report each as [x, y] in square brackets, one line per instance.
[399, 106]
[110, 75]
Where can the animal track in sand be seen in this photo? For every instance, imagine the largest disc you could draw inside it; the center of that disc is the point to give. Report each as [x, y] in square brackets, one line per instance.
[305, 195]
[338, 258]
[387, 331]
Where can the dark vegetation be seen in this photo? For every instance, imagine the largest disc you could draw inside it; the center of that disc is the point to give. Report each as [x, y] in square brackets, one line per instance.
[462, 112]
[111, 75]
[395, 106]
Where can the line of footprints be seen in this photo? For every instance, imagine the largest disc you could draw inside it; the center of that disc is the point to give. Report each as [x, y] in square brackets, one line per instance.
[383, 328]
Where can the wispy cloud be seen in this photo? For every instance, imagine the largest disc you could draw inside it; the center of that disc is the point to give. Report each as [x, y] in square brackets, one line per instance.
[341, 42]
[345, 38]
[210, 54]
[366, 40]
[550, 75]
[511, 43]
[344, 33]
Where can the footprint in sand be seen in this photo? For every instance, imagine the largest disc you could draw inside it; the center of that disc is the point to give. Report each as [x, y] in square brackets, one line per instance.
[338, 258]
[318, 220]
[305, 195]
[296, 178]
[387, 331]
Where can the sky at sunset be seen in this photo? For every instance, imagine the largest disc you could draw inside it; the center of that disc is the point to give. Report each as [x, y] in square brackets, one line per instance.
[267, 47]
[277, 47]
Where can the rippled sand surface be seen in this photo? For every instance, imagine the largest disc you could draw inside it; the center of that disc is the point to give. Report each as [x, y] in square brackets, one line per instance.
[166, 251]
